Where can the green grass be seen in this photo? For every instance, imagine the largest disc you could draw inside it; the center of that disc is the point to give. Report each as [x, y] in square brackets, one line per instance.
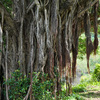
[88, 88]
[87, 83]
[73, 96]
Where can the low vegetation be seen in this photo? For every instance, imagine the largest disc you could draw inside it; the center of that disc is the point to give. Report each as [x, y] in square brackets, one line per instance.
[42, 86]
[19, 85]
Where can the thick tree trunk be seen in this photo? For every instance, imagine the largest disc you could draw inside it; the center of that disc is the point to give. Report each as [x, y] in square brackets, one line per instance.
[40, 37]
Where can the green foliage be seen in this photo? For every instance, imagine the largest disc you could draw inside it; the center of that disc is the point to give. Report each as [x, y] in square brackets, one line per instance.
[92, 28]
[18, 86]
[85, 87]
[79, 88]
[42, 87]
[73, 96]
[96, 73]
[86, 83]
[82, 63]
[7, 4]
[81, 46]
[86, 78]
[99, 26]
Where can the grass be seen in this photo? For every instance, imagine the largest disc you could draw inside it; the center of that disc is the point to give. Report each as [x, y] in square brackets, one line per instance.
[88, 88]
[73, 96]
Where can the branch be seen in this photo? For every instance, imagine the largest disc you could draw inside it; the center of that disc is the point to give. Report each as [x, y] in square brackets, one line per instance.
[26, 97]
[7, 17]
[30, 6]
[29, 90]
[87, 8]
[46, 3]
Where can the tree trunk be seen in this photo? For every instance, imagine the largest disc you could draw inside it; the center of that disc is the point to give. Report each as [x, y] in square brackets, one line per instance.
[40, 37]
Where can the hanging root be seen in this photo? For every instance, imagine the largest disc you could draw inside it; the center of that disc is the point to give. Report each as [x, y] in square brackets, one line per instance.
[95, 28]
[89, 45]
[74, 48]
[95, 44]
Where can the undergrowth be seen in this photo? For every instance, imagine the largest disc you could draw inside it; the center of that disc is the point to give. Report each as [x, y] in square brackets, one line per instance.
[88, 82]
[19, 84]
[42, 87]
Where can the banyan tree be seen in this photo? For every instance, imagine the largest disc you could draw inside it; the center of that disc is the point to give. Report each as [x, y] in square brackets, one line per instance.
[39, 35]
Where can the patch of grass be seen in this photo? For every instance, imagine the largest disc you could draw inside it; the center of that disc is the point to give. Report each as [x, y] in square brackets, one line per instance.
[87, 83]
[73, 96]
[79, 88]
[88, 88]
[86, 78]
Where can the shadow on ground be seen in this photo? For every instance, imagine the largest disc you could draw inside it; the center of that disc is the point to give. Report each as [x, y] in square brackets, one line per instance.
[91, 94]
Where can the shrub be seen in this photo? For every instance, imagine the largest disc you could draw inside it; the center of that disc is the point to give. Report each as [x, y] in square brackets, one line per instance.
[42, 87]
[73, 96]
[18, 84]
[96, 73]
[79, 88]
[86, 78]
[7, 4]
[81, 46]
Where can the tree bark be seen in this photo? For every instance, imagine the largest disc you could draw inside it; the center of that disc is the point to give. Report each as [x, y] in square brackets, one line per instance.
[41, 37]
